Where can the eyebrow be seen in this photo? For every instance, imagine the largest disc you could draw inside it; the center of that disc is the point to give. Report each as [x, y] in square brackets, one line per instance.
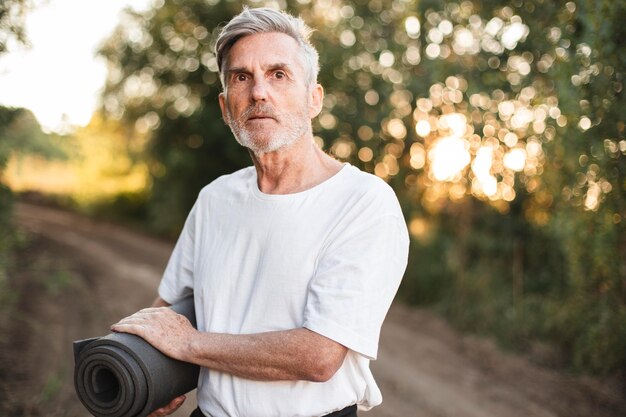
[270, 67]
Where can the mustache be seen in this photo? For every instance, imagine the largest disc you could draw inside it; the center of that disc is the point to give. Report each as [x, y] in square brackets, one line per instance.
[259, 109]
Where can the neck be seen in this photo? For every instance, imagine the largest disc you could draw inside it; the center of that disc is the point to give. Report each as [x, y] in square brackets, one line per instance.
[294, 168]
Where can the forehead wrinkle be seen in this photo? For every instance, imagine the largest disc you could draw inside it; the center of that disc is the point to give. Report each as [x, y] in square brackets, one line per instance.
[265, 67]
[278, 44]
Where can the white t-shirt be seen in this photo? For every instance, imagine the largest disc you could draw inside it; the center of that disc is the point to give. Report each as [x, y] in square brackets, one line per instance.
[329, 259]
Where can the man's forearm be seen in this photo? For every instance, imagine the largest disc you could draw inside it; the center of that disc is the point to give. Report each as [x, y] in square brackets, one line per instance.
[297, 354]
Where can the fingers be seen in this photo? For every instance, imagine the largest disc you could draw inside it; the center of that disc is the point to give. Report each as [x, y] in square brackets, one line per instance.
[130, 324]
[170, 408]
[139, 318]
[163, 328]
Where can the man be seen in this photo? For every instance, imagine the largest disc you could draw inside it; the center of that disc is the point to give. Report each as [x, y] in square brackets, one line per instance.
[293, 263]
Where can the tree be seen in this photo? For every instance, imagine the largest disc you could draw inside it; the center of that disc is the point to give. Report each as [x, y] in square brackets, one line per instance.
[497, 123]
[164, 80]
[590, 220]
[11, 30]
[20, 133]
[12, 14]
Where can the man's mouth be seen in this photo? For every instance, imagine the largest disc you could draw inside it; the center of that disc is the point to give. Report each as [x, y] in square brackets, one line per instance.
[259, 113]
[260, 117]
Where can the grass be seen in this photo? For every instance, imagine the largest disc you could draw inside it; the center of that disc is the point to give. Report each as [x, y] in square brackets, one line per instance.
[52, 386]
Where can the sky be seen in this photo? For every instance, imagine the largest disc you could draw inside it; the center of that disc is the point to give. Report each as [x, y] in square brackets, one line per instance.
[59, 78]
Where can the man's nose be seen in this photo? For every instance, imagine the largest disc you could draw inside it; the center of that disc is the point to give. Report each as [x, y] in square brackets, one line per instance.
[259, 89]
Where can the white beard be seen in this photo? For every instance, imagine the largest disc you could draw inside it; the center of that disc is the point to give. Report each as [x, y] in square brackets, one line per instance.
[291, 127]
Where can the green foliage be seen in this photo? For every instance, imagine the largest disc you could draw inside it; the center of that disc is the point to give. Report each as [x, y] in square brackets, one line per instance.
[6, 247]
[524, 252]
[11, 28]
[20, 134]
[123, 207]
[190, 145]
[12, 13]
[54, 277]
[53, 386]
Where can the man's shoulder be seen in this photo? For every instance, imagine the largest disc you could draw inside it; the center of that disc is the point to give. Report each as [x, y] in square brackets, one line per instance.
[367, 179]
[364, 183]
[229, 183]
[365, 192]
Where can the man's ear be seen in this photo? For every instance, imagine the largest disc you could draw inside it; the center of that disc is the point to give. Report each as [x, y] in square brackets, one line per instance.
[317, 100]
[222, 100]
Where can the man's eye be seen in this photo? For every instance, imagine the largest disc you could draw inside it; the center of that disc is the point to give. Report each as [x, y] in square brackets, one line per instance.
[279, 75]
[241, 77]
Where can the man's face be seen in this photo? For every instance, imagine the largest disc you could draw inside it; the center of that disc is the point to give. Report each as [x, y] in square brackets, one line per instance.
[268, 101]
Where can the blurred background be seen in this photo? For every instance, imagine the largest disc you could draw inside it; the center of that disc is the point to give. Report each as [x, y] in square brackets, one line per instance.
[499, 124]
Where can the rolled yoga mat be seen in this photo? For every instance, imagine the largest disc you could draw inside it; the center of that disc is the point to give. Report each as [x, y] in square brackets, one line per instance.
[121, 375]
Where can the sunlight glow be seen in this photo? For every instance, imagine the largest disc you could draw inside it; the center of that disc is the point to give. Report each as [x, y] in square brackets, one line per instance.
[455, 122]
[514, 33]
[419, 228]
[482, 150]
[386, 59]
[515, 160]
[482, 162]
[418, 156]
[584, 123]
[412, 26]
[365, 154]
[58, 78]
[396, 128]
[422, 128]
[484, 183]
[592, 199]
[449, 156]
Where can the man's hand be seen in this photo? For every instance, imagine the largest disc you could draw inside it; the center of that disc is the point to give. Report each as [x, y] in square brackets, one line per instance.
[170, 408]
[281, 355]
[163, 328]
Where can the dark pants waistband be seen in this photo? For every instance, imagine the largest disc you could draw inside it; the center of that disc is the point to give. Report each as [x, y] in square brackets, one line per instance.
[349, 411]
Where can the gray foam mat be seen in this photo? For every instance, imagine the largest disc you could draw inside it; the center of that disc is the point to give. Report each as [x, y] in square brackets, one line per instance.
[121, 375]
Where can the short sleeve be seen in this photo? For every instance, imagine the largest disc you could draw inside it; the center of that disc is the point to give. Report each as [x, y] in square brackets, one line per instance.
[177, 280]
[356, 280]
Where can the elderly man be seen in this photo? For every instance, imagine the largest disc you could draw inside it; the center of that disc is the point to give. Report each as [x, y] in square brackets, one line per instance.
[293, 262]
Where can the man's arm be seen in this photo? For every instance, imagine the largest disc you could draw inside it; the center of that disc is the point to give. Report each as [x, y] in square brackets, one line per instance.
[296, 354]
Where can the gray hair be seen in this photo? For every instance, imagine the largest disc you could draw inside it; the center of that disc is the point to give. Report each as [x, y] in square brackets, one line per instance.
[266, 20]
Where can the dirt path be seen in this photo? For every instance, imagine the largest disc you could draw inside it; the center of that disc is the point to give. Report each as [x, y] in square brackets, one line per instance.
[97, 273]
